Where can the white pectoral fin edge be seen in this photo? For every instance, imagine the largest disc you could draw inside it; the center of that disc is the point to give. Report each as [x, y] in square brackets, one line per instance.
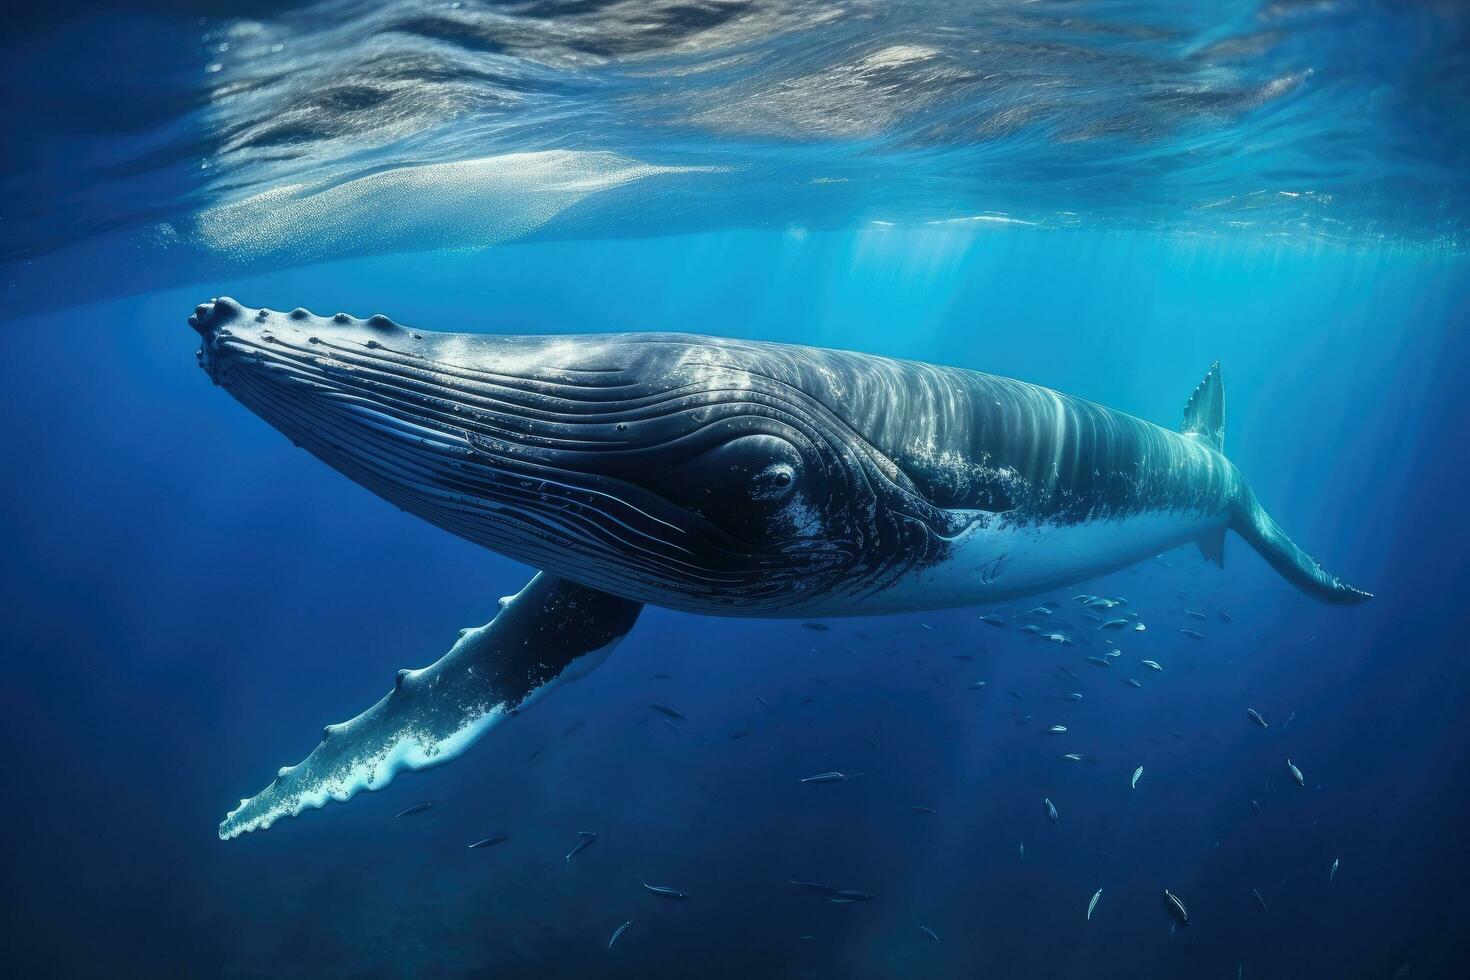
[551, 631]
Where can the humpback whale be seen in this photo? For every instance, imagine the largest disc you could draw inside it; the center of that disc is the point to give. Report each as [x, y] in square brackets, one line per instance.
[714, 476]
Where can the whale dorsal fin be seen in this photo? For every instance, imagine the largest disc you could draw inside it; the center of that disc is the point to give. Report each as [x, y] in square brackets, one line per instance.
[1204, 416]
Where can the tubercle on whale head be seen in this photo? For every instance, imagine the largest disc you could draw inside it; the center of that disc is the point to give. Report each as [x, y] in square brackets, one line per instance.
[223, 318]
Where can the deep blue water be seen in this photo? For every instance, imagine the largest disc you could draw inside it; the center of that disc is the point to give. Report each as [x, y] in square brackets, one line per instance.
[185, 599]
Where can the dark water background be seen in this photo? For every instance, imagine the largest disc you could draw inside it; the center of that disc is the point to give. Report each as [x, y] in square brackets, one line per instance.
[185, 599]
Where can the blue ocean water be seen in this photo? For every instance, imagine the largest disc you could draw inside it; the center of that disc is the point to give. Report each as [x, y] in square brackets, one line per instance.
[1100, 198]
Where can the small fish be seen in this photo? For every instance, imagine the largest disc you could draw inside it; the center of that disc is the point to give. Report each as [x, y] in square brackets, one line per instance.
[1195, 614]
[930, 933]
[1114, 624]
[926, 626]
[588, 839]
[922, 809]
[662, 677]
[1289, 719]
[977, 685]
[1256, 717]
[670, 711]
[1295, 773]
[1137, 774]
[763, 701]
[676, 728]
[618, 933]
[1097, 661]
[1193, 634]
[1140, 628]
[831, 777]
[416, 808]
[816, 627]
[1059, 638]
[664, 891]
[1074, 756]
[1039, 611]
[1176, 908]
[992, 621]
[965, 657]
[738, 735]
[837, 896]
[1057, 730]
[1093, 904]
[1015, 694]
[571, 729]
[1134, 682]
[843, 896]
[1153, 665]
[1069, 696]
[1023, 850]
[1259, 812]
[1225, 617]
[870, 741]
[533, 755]
[1259, 900]
[1030, 628]
[491, 841]
[813, 886]
[1333, 873]
[1051, 810]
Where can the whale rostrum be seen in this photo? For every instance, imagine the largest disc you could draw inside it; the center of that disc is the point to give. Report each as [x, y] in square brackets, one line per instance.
[710, 475]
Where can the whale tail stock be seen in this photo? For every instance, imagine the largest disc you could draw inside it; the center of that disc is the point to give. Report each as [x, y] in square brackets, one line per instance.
[1204, 419]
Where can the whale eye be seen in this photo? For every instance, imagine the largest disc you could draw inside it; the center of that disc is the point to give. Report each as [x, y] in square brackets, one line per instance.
[775, 480]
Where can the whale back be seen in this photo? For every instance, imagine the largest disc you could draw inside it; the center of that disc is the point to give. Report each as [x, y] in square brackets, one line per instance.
[968, 440]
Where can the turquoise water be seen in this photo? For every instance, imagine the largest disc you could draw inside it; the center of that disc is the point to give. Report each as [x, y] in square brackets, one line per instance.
[185, 599]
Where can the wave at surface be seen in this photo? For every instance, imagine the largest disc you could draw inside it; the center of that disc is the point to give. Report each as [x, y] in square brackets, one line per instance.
[1336, 121]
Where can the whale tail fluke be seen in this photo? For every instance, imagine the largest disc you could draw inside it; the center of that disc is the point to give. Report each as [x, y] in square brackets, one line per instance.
[1204, 419]
[1293, 564]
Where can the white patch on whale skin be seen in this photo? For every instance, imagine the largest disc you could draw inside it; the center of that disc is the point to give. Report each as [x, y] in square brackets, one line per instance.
[1037, 558]
[367, 772]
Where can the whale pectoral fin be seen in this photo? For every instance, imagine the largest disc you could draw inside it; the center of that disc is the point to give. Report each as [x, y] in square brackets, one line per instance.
[551, 631]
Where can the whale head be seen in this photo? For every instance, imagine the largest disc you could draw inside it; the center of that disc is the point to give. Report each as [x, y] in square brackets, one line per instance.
[684, 471]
